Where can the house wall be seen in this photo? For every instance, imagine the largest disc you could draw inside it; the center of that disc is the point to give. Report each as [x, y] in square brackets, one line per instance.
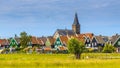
[58, 42]
[88, 43]
[94, 43]
[56, 35]
[117, 44]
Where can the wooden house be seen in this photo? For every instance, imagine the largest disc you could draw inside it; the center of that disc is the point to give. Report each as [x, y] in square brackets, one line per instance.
[4, 43]
[115, 41]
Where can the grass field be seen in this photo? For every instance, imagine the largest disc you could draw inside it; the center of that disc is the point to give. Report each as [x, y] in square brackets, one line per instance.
[93, 60]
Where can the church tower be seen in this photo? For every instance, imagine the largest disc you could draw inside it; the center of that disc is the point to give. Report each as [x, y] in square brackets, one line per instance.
[76, 25]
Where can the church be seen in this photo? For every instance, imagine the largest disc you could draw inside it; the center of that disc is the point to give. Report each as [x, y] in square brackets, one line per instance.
[75, 29]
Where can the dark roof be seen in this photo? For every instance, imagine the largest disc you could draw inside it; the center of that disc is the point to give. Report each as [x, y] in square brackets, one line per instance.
[64, 32]
[105, 38]
[100, 39]
[114, 38]
[76, 21]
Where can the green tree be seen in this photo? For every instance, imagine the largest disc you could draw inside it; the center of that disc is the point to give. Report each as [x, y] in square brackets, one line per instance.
[24, 39]
[76, 47]
[108, 48]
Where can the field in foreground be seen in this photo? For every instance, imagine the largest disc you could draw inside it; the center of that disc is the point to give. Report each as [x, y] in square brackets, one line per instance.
[95, 60]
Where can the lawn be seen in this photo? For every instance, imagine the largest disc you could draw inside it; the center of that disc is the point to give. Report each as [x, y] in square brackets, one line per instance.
[93, 60]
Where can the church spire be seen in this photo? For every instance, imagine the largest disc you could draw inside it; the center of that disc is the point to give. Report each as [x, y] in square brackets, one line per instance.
[76, 25]
[76, 22]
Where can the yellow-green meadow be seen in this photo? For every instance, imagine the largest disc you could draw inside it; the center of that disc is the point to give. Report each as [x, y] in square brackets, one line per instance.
[89, 60]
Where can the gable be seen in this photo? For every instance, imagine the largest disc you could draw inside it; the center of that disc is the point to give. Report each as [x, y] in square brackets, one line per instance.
[56, 34]
[58, 42]
[13, 43]
[87, 40]
[117, 43]
[94, 40]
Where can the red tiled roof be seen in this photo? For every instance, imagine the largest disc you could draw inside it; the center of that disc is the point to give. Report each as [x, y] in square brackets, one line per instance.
[90, 35]
[4, 42]
[34, 40]
[64, 39]
[80, 37]
[52, 40]
[40, 41]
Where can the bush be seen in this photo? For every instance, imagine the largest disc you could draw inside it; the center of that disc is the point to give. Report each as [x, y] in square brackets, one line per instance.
[108, 48]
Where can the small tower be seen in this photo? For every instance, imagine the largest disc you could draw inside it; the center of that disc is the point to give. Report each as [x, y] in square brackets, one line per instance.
[76, 25]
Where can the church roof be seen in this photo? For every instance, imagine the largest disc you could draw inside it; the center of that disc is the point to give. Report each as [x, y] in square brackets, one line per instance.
[64, 32]
[76, 21]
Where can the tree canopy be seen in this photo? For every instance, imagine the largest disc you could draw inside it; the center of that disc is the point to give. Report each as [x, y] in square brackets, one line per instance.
[24, 39]
[76, 47]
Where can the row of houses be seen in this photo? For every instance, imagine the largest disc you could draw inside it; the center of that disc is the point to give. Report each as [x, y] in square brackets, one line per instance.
[60, 38]
[60, 42]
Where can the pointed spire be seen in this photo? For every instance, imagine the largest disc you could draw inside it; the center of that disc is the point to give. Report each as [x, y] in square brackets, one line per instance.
[76, 22]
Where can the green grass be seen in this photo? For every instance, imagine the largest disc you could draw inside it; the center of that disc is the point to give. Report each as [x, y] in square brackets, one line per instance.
[59, 61]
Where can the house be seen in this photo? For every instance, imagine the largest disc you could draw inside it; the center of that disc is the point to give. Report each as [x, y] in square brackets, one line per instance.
[61, 41]
[13, 43]
[43, 39]
[34, 41]
[88, 37]
[4, 43]
[115, 41]
[97, 41]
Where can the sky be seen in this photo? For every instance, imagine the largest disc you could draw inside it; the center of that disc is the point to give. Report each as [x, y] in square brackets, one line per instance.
[44, 17]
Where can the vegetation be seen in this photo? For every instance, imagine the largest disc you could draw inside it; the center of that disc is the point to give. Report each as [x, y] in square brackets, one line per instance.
[76, 47]
[58, 61]
[24, 39]
[108, 48]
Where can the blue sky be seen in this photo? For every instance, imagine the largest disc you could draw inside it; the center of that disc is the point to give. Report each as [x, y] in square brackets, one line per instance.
[43, 17]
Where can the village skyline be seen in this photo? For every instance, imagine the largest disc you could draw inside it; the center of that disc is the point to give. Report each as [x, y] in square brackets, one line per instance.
[43, 18]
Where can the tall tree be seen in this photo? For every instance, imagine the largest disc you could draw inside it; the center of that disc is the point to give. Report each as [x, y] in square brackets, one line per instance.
[76, 47]
[24, 39]
[108, 48]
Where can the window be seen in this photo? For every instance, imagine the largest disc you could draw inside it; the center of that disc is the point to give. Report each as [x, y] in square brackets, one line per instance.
[89, 45]
[87, 40]
[58, 42]
[118, 42]
[95, 44]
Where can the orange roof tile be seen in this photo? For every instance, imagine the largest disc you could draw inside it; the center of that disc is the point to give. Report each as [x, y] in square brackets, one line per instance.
[90, 35]
[34, 40]
[64, 39]
[40, 41]
[80, 37]
[52, 40]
